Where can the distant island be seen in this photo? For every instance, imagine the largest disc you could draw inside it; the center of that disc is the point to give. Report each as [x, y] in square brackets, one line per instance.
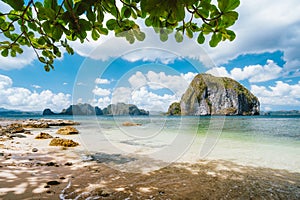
[281, 113]
[210, 95]
[87, 109]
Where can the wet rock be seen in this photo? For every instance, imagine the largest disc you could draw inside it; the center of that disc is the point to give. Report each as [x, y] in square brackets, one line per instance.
[35, 150]
[14, 128]
[67, 130]
[60, 122]
[63, 142]
[27, 133]
[43, 136]
[68, 164]
[17, 135]
[131, 124]
[50, 164]
[53, 183]
[35, 124]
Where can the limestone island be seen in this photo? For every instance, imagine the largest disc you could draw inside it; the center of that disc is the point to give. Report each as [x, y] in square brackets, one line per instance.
[210, 95]
[87, 109]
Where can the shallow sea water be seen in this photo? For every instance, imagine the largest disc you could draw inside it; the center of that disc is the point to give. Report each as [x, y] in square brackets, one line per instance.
[260, 141]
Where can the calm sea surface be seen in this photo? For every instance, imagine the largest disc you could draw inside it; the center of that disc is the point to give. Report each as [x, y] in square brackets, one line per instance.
[263, 141]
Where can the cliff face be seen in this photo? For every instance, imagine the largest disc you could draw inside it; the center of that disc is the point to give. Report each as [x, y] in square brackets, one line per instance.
[210, 95]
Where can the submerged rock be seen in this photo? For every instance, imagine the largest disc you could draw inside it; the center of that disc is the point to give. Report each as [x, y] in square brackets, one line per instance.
[43, 136]
[131, 124]
[63, 142]
[210, 95]
[67, 130]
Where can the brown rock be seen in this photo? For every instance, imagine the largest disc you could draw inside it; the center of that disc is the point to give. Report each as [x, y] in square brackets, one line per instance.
[35, 124]
[43, 136]
[15, 128]
[67, 130]
[131, 124]
[63, 142]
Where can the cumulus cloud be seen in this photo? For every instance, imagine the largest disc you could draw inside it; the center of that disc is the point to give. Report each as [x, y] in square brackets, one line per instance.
[24, 99]
[151, 49]
[146, 92]
[282, 94]
[175, 83]
[258, 32]
[100, 81]
[254, 73]
[22, 60]
[101, 92]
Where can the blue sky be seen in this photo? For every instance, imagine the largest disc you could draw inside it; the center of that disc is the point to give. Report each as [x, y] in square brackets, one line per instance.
[264, 58]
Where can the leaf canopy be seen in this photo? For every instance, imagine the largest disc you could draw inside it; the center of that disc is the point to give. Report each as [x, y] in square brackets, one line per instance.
[45, 26]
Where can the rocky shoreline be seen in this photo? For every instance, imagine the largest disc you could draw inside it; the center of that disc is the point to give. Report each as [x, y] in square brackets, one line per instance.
[32, 169]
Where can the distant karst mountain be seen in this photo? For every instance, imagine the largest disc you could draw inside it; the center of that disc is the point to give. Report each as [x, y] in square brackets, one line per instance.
[112, 109]
[210, 95]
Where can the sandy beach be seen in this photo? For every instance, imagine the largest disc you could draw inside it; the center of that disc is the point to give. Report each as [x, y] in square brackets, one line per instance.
[31, 169]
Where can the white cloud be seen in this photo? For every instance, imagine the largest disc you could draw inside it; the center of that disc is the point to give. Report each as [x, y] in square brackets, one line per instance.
[254, 73]
[65, 83]
[151, 49]
[151, 101]
[143, 90]
[177, 84]
[102, 102]
[102, 81]
[258, 32]
[101, 92]
[282, 94]
[80, 84]
[36, 86]
[24, 99]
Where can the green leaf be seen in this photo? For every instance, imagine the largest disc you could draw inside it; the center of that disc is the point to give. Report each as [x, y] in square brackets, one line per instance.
[179, 12]
[95, 34]
[126, 12]
[47, 68]
[215, 39]
[230, 35]
[46, 27]
[148, 21]
[84, 25]
[228, 5]
[140, 36]
[189, 32]
[178, 37]
[15, 4]
[57, 33]
[201, 38]
[111, 24]
[163, 36]
[4, 53]
[42, 59]
[91, 15]
[13, 53]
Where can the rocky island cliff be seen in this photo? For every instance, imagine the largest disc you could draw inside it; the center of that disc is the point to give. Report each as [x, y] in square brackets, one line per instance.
[210, 95]
[87, 109]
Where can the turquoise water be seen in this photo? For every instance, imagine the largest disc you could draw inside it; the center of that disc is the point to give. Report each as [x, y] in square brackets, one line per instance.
[263, 141]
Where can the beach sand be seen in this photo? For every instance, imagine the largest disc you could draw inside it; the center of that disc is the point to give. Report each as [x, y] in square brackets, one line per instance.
[61, 173]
